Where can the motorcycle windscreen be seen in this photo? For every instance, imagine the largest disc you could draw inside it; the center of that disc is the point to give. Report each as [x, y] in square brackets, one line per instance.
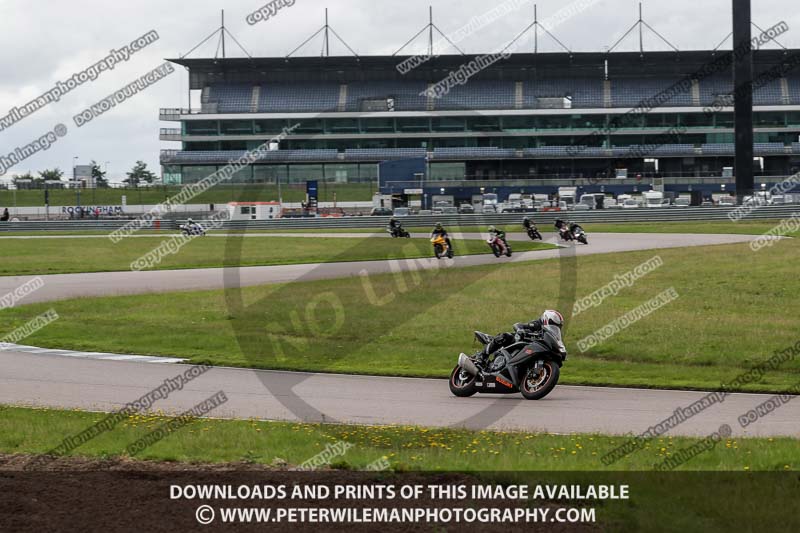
[553, 338]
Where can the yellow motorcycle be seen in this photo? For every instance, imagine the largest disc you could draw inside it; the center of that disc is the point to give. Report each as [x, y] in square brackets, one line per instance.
[441, 248]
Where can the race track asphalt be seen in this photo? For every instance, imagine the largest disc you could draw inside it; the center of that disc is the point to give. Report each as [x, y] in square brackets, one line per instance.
[52, 381]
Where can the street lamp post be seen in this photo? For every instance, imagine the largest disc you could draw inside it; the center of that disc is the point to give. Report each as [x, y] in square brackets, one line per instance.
[75, 182]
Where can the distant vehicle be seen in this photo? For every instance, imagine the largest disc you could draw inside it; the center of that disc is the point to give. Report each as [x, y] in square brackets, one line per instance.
[707, 203]
[449, 211]
[655, 199]
[594, 200]
[402, 212]
[581, 207]
[466, 209]
[568, 195]
[490, 203]
[611, 203]
[682, 202]
[730, 201]
[438, 211]
[630, 203]
[381, 212]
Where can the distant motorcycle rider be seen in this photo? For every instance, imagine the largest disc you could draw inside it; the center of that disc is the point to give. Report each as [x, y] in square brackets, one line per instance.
[500, 234]
[565, 229]
[568, 225]
[501, 340]
[526, 223]
[394, 226]
[439, 231]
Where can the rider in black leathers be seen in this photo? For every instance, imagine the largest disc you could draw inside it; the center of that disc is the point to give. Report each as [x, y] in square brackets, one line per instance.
[526, 223]
[501, 340]
[395, 226]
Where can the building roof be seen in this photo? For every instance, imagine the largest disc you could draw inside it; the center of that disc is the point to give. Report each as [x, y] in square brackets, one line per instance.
[344, 69]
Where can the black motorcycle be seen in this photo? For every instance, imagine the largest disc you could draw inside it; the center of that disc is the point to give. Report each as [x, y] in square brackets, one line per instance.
[533, 233]
[531, 366]
[398, 233]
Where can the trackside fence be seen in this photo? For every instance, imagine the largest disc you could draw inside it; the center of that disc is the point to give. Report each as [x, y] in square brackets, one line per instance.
[366, 222]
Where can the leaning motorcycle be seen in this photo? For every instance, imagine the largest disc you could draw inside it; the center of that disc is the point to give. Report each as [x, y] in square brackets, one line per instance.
[530, 366]
[441, 248]
[398, 233]
[579, 234]
[499, 246]
[191, 230]
[533, 233]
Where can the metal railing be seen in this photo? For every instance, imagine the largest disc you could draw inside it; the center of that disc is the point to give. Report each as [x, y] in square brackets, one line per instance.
[544, 219]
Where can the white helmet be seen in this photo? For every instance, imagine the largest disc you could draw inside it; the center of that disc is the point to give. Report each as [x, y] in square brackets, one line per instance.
[552, 318]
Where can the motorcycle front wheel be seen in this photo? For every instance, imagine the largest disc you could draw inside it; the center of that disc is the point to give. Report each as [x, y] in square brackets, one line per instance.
[536, 386]
[462, 384]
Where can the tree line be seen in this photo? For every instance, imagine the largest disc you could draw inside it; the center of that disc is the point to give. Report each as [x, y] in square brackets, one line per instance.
[138, 174]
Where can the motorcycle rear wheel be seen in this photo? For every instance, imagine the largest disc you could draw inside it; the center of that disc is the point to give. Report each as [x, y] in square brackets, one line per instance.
[535, 387]
[461, 383]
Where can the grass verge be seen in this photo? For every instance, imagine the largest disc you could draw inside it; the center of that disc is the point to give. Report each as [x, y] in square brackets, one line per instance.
[37, 431]
[62, 256]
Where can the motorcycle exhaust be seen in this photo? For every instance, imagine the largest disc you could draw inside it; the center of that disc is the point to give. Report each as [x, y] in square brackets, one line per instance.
[466, 363]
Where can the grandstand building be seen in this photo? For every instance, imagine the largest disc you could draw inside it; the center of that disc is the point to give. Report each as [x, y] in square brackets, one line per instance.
[530, 122]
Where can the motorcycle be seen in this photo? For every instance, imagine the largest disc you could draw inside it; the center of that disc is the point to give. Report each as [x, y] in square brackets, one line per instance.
[566, 234]
[191, 230]
[572, 232]
[441, 248]
[398, 233]
[579, 234]
[499, 246]
[533, 233]
[530, 366]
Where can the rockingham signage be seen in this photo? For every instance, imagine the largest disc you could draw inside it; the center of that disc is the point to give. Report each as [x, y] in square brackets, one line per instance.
[91, 209]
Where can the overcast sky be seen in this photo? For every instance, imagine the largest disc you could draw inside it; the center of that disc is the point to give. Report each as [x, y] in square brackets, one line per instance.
[45, 41]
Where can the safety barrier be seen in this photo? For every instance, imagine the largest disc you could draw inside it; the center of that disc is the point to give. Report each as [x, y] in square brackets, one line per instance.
[366, 222]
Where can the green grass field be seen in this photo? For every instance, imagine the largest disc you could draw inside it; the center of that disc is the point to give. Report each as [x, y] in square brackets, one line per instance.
[415, 325]
[221, 194]
[59, 256]
[37, 431]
